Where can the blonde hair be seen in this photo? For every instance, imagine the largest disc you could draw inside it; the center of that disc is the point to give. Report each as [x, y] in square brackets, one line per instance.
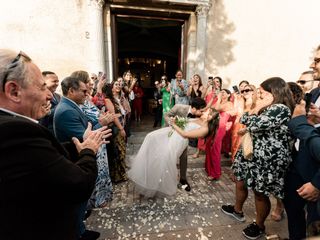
[254, 96]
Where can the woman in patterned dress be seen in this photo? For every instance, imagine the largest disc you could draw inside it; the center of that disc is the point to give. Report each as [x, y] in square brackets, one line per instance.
[267, 124]
[102, 193]
[117, 145]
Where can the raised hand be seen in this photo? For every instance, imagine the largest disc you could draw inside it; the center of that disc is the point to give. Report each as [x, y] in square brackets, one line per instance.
[106, 118]
[104, 130]
[300, 109]
[45, 110]
[94, 140]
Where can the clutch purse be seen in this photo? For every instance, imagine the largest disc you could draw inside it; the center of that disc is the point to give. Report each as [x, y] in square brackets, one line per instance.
[247, 146]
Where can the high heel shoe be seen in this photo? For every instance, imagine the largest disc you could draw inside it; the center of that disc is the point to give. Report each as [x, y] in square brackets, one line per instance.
[277, 215]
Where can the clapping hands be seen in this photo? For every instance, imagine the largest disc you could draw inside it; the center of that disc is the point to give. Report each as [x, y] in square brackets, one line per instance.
[92, 139]
[106, 118]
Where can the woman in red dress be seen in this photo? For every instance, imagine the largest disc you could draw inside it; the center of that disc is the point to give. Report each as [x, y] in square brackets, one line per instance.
[213, 146]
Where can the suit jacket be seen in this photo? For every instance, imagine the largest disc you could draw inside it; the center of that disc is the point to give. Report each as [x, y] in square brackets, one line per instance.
[315, 94]
[306, 162]
[69, 121]
[180, 110]
[39, 186]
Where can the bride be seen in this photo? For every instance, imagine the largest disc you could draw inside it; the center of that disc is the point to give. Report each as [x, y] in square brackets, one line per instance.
[154, 170]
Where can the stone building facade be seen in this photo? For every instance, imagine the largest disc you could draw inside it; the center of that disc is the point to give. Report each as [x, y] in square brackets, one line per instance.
[239, 39]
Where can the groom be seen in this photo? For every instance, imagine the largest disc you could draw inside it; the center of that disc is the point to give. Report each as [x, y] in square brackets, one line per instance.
[192, 111]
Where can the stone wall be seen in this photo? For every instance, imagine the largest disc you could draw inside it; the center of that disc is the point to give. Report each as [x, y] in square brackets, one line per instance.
[245, 39]
[255, 40]
[53, 33]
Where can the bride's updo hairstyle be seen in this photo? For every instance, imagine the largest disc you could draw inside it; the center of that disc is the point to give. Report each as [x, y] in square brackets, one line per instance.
[213, 124]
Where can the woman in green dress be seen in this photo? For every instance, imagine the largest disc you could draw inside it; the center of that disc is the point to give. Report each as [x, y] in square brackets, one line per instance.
[167, 101]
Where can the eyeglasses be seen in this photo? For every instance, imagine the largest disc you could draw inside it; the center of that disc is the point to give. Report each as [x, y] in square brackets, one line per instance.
[14, 64]
[246, 90]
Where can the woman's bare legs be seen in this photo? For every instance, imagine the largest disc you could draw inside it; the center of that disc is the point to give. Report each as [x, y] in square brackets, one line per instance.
[241, 196]
[263, 207]
[278, 212]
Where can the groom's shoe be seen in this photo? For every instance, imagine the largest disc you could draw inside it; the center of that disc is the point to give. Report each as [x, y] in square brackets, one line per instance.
[185, 185]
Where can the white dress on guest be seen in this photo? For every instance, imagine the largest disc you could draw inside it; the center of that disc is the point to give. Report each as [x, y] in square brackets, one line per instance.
[154, 168]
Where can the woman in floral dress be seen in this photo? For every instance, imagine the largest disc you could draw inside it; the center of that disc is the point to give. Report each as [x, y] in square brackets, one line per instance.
[102, 193]
[267, 124]
[117, 145]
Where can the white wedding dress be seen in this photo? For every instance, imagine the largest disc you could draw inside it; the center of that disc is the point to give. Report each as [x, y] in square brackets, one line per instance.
[154, 168]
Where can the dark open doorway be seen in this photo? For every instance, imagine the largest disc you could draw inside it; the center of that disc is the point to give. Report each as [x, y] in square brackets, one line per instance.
[148, 47]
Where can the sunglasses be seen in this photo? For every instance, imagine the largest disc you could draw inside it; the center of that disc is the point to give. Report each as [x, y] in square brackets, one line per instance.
[12, 65]
[163, 79]
[246, 90]
[93, 78]
[302, 82]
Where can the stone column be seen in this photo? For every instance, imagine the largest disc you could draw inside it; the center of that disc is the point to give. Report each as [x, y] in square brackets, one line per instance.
[201, 12]
[108, 44]
[192, 46]
[96, 48]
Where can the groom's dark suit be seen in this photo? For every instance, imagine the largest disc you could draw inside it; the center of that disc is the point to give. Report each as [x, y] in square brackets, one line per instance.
[180, 110]
[39, 185]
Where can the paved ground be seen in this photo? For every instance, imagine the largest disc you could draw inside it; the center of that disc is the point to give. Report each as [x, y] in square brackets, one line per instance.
[188, 215]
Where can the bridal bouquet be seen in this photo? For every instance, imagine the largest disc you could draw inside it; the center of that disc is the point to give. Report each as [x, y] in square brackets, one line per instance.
[181, 122]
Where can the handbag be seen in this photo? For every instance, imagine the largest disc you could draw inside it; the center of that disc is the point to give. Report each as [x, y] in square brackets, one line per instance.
[247, 146]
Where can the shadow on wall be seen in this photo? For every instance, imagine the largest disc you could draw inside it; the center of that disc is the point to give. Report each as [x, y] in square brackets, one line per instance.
[220, 44]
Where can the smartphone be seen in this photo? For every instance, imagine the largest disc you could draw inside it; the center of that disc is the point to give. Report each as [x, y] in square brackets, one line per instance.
[307, 99]
[235, 89]
[100, 74]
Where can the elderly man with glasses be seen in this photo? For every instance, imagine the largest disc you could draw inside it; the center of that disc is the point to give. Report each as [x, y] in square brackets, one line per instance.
[40, 185]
